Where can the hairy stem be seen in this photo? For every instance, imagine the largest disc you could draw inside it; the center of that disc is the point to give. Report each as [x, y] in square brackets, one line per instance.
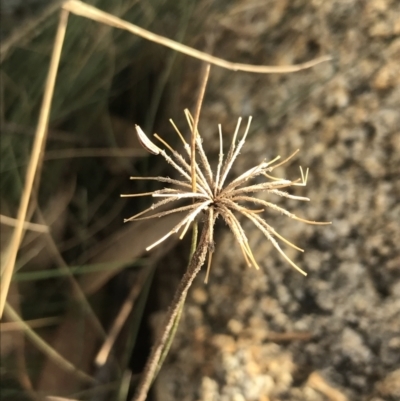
[194, 267]
[182, 303]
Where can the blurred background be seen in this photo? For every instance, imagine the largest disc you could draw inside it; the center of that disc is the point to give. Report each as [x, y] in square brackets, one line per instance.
[247, 335]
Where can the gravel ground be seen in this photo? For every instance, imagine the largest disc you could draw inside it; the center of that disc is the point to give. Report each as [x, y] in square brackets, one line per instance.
[274, 334]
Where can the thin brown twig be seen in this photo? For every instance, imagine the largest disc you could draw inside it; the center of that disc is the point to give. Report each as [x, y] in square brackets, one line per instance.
[204, 80]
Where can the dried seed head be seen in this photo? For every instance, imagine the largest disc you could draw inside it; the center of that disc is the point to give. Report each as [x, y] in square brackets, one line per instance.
[216, 199]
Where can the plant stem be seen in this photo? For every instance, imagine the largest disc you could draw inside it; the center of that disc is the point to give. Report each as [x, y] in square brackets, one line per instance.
[178, 316]
[204, 80]
[194, 267]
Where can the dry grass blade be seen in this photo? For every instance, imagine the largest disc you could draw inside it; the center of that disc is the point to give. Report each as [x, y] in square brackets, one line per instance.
[33, 324]
[88, 11]
[93, 152]
[9, 221]
[38, 146]
[120, 320]
[43, 346]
